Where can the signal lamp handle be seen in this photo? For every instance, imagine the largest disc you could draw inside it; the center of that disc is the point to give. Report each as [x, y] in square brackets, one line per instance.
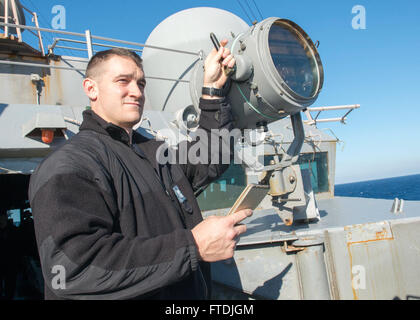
[228, 71]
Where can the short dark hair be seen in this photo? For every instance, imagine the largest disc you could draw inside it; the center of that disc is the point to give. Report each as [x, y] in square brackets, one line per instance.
[103, 56]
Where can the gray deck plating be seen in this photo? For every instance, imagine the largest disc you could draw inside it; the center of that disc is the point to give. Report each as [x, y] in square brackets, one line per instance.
[358, 239]
[265, 226]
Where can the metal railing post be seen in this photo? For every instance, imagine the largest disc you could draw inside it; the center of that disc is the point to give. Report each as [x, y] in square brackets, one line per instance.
[6, 18]
[89, 43]
[101, 38]
[16, 18]
[41, 45]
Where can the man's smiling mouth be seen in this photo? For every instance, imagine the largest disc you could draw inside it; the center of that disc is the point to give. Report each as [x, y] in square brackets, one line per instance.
[133, 103]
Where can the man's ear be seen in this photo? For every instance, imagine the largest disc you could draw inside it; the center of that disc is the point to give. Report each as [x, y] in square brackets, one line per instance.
[90, 87]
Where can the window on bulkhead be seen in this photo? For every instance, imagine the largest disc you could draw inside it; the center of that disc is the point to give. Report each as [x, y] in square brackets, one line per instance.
[317, 163]
[223, 192]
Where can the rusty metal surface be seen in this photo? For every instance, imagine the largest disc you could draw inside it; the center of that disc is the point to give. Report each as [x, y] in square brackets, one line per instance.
[362, 233]
[265, 226]
[369, 247]
[58, 87]
[12, 44]
[378, 260]
[369, 253]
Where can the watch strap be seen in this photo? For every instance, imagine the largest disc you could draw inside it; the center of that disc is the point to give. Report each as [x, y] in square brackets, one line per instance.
[213, 92]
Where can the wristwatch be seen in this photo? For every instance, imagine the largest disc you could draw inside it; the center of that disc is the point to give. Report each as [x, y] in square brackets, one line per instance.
[214, 92]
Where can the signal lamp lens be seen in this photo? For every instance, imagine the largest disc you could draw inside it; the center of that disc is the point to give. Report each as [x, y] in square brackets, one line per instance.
[293, 59]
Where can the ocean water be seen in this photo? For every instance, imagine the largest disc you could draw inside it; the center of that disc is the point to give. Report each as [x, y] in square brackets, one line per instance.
[406, 188]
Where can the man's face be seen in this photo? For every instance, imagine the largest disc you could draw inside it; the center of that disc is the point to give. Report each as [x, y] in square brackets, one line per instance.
[119, 95]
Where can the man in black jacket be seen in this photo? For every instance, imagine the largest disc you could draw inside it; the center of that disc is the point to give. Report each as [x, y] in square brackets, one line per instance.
[111, 221]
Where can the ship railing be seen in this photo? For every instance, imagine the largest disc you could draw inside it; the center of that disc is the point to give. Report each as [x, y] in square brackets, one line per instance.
[87, 39]
[310, 120]
[15, 18]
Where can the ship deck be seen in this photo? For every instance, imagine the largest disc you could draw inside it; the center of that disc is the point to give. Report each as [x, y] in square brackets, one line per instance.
[265, 226]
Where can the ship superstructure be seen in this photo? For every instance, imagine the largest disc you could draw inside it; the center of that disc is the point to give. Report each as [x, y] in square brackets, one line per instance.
[336, 247]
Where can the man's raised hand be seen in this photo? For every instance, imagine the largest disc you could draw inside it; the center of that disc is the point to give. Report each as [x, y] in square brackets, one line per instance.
[213, 66]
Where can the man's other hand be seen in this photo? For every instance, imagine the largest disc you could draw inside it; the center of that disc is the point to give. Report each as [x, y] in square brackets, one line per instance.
[213, 66]
[216, 237]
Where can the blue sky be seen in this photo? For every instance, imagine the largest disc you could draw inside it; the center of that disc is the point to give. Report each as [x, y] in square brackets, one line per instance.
[378, 67]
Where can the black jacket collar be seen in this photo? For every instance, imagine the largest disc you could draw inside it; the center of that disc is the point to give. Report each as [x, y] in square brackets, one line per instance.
[91, 121]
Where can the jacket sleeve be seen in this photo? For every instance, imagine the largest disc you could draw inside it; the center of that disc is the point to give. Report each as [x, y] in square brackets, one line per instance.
[83, 257]
[211, 152]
